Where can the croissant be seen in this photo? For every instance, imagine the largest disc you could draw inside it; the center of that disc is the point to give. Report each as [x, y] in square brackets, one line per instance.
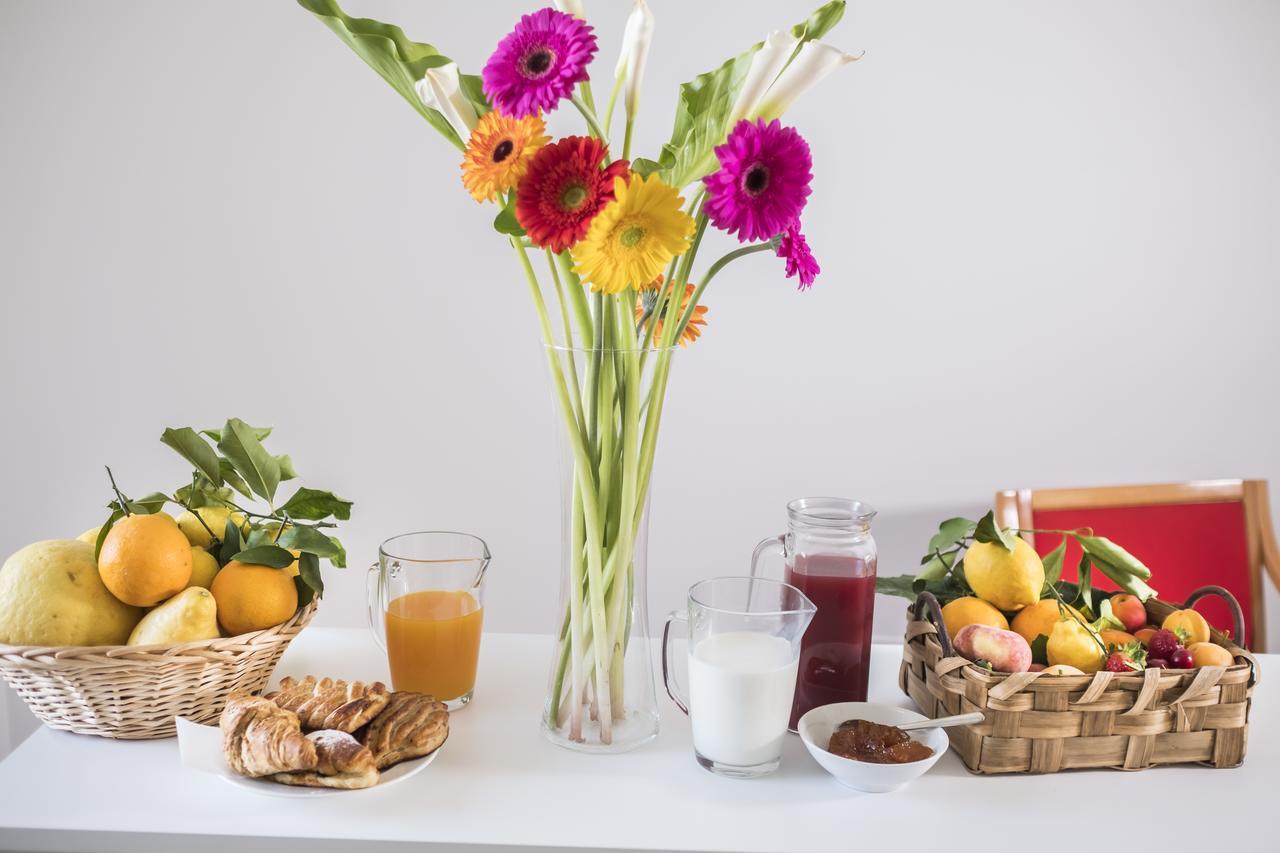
[329, 704]
[260, 739]
[342, 762]
[412, 725]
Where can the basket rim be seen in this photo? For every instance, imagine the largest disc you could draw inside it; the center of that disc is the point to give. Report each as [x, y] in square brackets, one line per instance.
[300, 616]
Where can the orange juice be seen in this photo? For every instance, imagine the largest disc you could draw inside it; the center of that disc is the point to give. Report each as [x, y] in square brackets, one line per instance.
[433, 642]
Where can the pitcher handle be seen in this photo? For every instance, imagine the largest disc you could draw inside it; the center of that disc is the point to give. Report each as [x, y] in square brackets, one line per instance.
[773, 543]
[669, 680]
[373, 600]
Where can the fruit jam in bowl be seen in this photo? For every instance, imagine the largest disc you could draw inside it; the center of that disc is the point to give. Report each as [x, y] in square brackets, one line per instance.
[817, 726]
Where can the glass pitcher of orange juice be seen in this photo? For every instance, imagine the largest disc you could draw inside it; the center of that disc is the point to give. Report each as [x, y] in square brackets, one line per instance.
[426, 609]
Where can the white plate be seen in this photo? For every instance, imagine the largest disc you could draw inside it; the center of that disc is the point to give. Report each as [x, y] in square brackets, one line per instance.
[390, 776]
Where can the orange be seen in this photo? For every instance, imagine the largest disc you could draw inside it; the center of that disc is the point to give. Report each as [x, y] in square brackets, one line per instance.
[1191, 623]
[252, 597]
[1039, 618]
[1111, 636]
[145, 559]
[971, 611]
[1210, 654]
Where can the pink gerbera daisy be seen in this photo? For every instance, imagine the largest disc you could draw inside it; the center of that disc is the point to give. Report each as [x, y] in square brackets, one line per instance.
[539, 62]
[763, 180]
[792, 245]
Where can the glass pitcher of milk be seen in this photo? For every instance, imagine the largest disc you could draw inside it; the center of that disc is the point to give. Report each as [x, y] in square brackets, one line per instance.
[744, 650]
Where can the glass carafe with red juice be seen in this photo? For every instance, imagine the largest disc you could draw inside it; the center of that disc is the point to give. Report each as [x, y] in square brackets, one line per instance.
[830, 556]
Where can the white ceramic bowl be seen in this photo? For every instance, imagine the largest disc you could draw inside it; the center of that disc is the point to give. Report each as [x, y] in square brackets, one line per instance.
[817, 726]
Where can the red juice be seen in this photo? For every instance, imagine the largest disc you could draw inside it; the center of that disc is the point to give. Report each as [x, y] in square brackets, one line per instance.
[835, 653]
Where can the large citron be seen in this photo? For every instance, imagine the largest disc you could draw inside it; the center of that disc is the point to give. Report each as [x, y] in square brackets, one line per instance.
[51, 595]
[1008, 579]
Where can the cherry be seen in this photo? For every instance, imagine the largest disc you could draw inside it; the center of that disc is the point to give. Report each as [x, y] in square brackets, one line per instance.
[1181, 659]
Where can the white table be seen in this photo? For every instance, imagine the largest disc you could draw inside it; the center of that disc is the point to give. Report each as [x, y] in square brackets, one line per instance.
[498, 786]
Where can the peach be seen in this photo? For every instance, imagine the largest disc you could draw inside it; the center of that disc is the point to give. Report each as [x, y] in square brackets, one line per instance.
[1112, 637]
[1129, 610]
[1190, 623]
[1210, 654]
[1006, 651]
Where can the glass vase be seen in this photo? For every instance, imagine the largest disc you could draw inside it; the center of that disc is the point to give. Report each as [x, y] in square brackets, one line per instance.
[600, 688]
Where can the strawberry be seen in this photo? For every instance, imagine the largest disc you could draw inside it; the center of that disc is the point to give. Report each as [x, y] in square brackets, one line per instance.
[1117, 662]
[1131, 657]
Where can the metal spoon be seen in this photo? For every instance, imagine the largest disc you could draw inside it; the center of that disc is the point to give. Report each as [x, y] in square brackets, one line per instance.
[944, 722]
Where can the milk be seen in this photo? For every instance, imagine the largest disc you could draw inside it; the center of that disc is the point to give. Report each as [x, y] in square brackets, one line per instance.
[741, 686]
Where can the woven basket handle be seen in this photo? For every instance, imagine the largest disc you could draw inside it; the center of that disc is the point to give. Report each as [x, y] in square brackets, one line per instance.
[927, 599]
[1234, 606]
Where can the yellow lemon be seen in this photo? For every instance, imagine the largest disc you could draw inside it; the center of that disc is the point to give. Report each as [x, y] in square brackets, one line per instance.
[203, 568]
[272, 528]
[971, 611]
[189, 616]
[90, 535]
[1008, 579]
[1073, 644]
[1062, 669]
[216, 519]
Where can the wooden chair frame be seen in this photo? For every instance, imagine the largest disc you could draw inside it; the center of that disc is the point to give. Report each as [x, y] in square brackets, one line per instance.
[1016, 507]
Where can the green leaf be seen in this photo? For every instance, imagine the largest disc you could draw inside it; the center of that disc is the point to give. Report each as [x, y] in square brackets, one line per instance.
[309, 576]
[287, 471]
[1108, 555]
[1040, 649]
[399, 61]
[1053, 563]
[106, 528]
[953, 531]
[196, 450]
[232, 479]
[1106, 618]
[1084, 589]
[506, 223]
[305, 592]
[147, 505]
[987, 530]
[316, 505]
[702, 111]
[230, 542]
[266, 555]
[204, 494]
[936, 568]
[260, 433]
[645, 167]
[309, 539]
[259, 468]
[909, 586]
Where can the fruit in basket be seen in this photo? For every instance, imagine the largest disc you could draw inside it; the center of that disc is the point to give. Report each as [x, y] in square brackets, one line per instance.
[1038, 619]
[1062, 669]
[1008, 579]
[1181, 659]
[145, 559]
[1112, 637]
[1143, 635]
[1117, 662]
[203, 567]
[1004, 650]
[1188, 622]
[90, 535]
[1157, 663]
[1076, 645]
[1210, 654]
[968, 610]
[252, 597]
[1163, 644]
[1130, 610]
[51, 595]
[216, 519]
[189, 616]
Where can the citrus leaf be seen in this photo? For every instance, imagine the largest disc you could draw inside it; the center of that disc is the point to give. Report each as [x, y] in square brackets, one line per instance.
[104, 530]
[1040, 649]
[316, 505]
[987, 530]
[231, 542]
[309, 577]
[232, 479]
[1084, 588]
[1053, 563]
[266, 555]
[309, 539]
[287, 471]
[951, 532]
[242, 448]
[1108, 555]
[196, 450]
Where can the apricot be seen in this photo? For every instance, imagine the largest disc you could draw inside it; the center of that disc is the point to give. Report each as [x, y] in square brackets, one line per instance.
[1210, 654]
[1143, 635]
[1006, 651]
[1129, 610]
[1111, 636]
[1190, 623]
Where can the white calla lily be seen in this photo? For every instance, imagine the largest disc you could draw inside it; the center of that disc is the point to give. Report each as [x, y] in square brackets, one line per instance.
[439, 89]
[766, 65]
[572, 7]
[814, 61]
[636, 39]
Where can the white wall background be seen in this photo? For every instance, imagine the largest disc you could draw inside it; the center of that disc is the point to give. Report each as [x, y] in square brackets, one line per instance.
[1048, 233]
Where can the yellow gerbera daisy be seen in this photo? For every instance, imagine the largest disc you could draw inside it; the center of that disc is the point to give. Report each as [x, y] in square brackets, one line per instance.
[498, 153]
[634, 236]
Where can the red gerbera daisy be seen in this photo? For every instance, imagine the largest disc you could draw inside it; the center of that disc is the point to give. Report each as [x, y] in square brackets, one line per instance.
[563, 190]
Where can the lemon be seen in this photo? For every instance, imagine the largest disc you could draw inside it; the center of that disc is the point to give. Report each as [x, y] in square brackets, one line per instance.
[90, 535]
[51, 595]
[970, 611]
[1008, 579]
[271, 528]
[1073, 644]
[215, 517]
[203, 568]
[189, 616]
[1062, 669]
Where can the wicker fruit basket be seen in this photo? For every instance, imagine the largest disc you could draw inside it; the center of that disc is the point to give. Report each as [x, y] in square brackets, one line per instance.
[134, 692]
[1045, 724]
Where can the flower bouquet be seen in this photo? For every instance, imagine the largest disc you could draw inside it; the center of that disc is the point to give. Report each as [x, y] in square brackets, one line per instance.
[619, 238]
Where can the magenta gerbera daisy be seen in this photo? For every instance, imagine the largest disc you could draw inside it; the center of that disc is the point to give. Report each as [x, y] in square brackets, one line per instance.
[792, 245]
[763, 180]
[539, 62]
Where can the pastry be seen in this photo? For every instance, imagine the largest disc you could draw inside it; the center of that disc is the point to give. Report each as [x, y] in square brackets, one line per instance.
[341, 762]
[259, 738]
[329, 704]
[410, 726]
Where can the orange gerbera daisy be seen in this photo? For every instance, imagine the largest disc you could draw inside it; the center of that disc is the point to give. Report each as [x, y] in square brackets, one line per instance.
[498, 153]
[647, 304]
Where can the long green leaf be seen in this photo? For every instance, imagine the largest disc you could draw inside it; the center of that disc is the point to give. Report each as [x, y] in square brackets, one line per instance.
[397, 59]
[309, 579]
[316, 505]
[1106, 553]
[196, 450]
[251, 460]
[1053, 563]
[266, 555]
[987, 530]
[309, 539]
[702, 111]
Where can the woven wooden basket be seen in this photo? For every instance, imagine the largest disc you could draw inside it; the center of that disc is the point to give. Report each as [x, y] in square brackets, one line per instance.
[1045, 724]
[134, 692]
